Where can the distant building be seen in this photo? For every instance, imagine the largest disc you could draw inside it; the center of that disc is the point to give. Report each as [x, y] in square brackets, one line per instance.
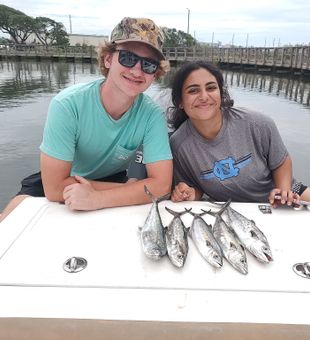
[86, 39]
[74, 39]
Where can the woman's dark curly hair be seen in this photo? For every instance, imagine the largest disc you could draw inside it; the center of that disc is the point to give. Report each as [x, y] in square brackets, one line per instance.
[176, 115]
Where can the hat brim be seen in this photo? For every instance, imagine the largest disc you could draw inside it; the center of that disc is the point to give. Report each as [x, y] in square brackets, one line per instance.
[159, 52]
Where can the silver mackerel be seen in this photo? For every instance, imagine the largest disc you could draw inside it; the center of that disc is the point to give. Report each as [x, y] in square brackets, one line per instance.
[176, 239]
[231, 246]
[249, 234]
[202, 236]
[152, 232]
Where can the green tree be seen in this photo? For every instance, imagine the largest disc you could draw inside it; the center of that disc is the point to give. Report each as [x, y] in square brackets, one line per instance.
[16, 23]
[4, 41]
[50, 32]
[175, 38]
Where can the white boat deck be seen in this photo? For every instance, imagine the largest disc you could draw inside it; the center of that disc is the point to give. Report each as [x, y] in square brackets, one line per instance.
[121, 285]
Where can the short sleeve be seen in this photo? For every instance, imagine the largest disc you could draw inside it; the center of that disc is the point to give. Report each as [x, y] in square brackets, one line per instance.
[60, 132]
[156, 145]
[274, 149]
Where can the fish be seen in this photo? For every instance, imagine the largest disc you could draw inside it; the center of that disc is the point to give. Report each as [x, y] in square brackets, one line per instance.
[249, 234]
[229, 242]
[152, 233]
[201, 234]
[176, 239]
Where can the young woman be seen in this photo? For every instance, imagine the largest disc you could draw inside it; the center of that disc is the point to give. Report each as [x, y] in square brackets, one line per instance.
[225, 152]
[93, 130]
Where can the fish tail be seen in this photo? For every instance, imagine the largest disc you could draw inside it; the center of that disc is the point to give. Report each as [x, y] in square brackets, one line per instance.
[224, 206]
[164, 197]
[147, 191]
[155, 199]
[206, 212]
[189, 211]
[209, 212]
[176, 213]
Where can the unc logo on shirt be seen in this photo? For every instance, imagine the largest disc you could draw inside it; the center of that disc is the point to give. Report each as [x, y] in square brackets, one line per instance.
[226, 168]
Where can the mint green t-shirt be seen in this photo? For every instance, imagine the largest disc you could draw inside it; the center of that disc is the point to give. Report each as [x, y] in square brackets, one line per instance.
[79, 130]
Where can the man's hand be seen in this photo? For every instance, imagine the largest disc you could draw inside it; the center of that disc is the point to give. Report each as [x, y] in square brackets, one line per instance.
[81, 195]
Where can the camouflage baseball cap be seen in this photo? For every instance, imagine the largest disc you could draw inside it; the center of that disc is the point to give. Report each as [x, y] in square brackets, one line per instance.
[141, 30]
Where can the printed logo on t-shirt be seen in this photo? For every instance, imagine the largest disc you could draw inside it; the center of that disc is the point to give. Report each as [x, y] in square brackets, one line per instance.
[226, 168]
[122, 157]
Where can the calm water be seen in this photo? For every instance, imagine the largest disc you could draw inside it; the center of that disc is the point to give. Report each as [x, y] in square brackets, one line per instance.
[26, 89]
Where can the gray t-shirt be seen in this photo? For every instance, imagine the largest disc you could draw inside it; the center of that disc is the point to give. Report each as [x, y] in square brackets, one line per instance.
[237, 163]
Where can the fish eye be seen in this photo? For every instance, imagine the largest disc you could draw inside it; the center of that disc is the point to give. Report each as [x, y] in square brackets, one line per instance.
[243, 260]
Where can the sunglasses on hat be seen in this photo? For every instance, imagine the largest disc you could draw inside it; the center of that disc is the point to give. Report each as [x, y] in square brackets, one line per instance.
[129, 59]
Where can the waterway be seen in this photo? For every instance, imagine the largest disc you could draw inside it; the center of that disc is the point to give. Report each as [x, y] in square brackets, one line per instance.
[26, 88]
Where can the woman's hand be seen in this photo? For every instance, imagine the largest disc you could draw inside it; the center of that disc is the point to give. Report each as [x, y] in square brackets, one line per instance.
[183, 192]
[278, 196]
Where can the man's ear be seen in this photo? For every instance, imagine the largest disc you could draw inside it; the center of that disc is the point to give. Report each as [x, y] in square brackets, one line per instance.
[108, 60]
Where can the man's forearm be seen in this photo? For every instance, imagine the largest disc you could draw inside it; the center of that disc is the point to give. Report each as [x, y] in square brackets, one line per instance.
[131, 193]
[105, 185]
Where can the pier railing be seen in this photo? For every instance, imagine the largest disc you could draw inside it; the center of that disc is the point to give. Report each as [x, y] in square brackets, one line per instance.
[285, 57]
[49, 52]
[297, 58]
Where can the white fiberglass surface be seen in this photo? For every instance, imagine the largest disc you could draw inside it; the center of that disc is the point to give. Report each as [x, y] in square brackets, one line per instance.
[47, 234]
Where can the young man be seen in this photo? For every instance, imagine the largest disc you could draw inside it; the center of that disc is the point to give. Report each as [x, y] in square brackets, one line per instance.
[93, 130]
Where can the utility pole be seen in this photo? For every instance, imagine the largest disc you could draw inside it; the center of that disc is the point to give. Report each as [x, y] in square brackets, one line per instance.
[70, 23]
[188, 14]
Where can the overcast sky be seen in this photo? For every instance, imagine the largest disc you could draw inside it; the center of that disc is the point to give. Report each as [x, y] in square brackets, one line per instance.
[263, 22]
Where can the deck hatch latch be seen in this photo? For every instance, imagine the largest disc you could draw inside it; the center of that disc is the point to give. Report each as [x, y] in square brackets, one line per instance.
[75, 264]
[302, 269]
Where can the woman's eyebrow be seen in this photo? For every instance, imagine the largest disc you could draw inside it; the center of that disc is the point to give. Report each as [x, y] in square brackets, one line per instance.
[197, 85]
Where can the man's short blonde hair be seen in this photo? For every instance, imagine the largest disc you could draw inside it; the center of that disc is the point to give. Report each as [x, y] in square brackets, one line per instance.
[107, 48]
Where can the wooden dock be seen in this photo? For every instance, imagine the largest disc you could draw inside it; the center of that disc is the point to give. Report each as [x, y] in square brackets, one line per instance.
[55, 53]
[279, 59]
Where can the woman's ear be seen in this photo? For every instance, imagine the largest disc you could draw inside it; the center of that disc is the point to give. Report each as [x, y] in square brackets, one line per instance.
[181, 106]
